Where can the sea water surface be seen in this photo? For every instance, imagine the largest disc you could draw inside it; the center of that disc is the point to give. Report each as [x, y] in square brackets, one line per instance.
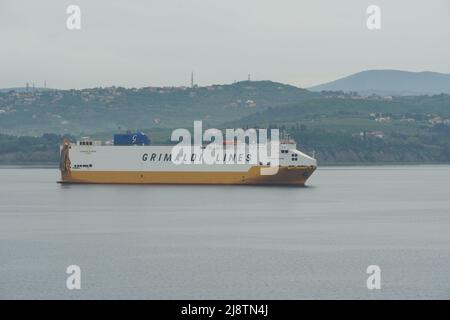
[228, 242]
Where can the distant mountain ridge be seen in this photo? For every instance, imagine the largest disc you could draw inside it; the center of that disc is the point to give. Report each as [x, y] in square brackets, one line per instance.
[337, 127]
[108, 109]
[25, 89]
[390, 82]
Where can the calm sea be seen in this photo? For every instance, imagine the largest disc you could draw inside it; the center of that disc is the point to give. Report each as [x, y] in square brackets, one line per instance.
[233, 242]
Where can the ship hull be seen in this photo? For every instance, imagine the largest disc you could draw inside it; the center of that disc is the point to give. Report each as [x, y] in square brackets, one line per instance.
[154, 165]
[289, 175]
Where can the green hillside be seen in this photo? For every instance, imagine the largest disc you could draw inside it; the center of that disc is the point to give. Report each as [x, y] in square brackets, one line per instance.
[108, 109]
[337, 127]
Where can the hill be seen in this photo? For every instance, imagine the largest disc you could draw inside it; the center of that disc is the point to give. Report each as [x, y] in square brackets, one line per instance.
[94, 110]
[25, 89]
[337, 127]
[390, 82]
[364, 130]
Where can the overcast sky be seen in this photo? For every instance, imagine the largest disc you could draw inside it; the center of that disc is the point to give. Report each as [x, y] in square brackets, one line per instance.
[159, 42]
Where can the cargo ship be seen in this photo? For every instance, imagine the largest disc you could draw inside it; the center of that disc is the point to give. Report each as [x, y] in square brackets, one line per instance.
[131, 159]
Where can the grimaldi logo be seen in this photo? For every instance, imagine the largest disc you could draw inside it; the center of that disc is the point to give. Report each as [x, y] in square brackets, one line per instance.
[245, 147]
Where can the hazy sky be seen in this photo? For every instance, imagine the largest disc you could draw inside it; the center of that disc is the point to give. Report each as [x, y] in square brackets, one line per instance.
[159, 42]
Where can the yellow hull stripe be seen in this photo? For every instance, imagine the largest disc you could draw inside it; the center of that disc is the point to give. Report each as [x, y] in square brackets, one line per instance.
[286, 175]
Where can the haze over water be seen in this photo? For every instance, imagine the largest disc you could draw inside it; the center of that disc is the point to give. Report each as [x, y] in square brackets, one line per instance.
[229, 242]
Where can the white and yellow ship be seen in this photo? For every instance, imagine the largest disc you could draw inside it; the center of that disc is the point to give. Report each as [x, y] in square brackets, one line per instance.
[88, 161]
